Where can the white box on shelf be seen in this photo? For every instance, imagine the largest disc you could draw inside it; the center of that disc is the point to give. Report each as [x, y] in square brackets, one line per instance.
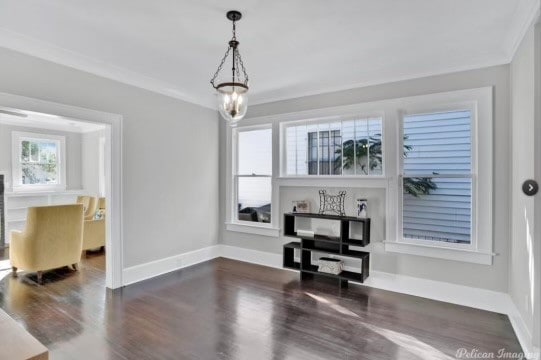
[305, 233]
[330, 265]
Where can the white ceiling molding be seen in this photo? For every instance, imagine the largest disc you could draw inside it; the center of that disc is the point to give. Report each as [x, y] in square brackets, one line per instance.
[29, 46]
[526, 14]
[269, 99]
[291, 49]
[35, 120]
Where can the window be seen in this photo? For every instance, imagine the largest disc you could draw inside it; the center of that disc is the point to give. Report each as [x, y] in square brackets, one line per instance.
[432, 165]
[437, 177]
[37, 161]
[350, 147]
[253, 178]
[324, 153]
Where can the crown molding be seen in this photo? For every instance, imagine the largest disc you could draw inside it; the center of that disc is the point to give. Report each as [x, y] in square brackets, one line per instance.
[46, 51]
[526, 14]
[502, 60]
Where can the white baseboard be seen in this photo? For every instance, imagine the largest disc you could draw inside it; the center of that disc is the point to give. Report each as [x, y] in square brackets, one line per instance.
[523, 334]
[439, 290]
[151, 269]
[436, 290]
[251, 256]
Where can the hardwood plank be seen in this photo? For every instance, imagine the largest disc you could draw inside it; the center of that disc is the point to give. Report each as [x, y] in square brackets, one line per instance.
[225, 309]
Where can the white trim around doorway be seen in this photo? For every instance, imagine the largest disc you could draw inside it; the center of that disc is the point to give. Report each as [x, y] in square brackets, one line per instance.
[113, 171]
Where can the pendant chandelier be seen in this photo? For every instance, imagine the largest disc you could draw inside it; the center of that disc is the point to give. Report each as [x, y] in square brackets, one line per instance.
[232, 95]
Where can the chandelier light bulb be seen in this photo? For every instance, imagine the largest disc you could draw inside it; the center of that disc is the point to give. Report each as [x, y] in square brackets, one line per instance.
[232, 105]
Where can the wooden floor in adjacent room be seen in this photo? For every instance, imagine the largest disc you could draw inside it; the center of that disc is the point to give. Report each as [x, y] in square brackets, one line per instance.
[225, 309]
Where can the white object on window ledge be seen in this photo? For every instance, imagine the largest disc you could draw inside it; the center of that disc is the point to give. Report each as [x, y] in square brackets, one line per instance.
[305, 233]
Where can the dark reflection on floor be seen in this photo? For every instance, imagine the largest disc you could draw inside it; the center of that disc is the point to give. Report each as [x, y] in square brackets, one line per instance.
[225, 309]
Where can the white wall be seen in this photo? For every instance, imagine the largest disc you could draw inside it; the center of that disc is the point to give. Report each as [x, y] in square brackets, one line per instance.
[73, 152]
[536, 339]
[522, 264]
[170, 169]
[493, 277]
[91, 161]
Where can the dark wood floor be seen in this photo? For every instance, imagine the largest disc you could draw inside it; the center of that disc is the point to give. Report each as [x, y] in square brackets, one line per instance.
[225, 309]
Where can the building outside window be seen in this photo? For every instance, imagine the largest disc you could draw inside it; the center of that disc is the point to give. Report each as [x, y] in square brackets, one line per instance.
[437, 177]
[350, 147]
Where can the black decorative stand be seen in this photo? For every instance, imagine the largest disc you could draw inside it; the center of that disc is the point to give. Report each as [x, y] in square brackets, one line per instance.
[338, 245]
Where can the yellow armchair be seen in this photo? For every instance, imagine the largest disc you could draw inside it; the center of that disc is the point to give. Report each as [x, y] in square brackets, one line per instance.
[94, 234]
[90, 204]
[94, 229]
[52, 238]
[101, 203]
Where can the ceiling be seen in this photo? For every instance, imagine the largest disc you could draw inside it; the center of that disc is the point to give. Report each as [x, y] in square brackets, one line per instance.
[290, 48]
[31, 119]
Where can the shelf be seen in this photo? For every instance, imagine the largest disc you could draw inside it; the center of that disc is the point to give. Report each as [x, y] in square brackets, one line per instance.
[289, 256]
[336, 245]
[293, 245]
[316, 237]
[353, 276]
[355, 242]
[344, 275]
[312, 269]
[294, 266]
[356, 254]
[328, 217]
[346, 253]
[333, 248]
[343, 238]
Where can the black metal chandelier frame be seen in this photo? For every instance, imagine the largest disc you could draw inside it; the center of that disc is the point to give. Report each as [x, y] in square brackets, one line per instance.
[239, 75]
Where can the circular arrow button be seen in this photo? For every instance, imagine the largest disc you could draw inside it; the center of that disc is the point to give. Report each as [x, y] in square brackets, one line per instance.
[530, 187]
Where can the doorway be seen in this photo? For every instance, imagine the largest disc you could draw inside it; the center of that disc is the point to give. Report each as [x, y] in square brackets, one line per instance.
[100, 168]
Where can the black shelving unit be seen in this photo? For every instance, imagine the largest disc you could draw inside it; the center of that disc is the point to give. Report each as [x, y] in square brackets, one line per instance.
[338, 245]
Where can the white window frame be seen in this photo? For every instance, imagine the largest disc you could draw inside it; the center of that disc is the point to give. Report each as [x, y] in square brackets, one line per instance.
[361, 115]
[479, 250]
[17, 137]
[391, 111]
[233, 223]
[101, 159]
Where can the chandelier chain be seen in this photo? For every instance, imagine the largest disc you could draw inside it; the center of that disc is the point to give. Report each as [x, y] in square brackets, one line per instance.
[238, 64]
[242, 67]
[220, 67]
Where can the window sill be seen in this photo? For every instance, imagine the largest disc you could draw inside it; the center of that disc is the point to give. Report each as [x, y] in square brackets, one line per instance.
[253, 229]
[470, 256]
[42, 192]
